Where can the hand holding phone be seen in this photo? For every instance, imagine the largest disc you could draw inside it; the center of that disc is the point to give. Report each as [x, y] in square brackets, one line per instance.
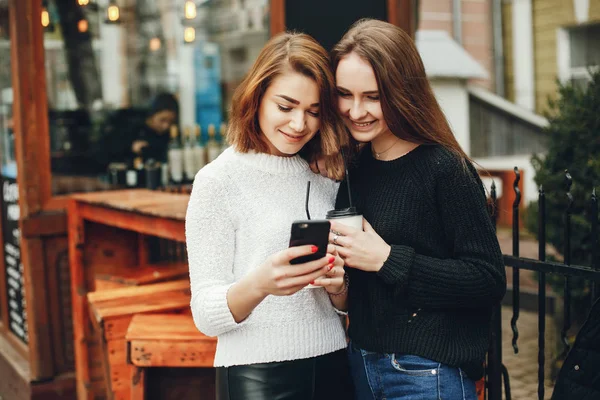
[314, 232]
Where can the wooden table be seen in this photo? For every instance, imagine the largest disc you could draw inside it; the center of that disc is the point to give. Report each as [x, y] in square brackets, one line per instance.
[107, 230]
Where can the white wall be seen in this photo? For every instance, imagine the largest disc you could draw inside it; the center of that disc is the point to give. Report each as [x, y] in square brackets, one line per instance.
[454, 100]
[522, 39]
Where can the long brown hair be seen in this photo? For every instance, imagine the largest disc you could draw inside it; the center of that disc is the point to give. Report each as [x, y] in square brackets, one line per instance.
[409, 106]
[304, 55]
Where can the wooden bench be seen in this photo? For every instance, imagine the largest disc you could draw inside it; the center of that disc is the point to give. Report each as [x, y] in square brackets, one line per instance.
[167, 340]
[111, 312]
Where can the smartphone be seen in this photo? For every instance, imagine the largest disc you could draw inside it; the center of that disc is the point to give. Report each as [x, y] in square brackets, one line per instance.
[315, 232]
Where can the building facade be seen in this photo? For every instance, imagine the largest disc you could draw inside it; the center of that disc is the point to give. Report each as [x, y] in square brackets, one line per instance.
[545, 41]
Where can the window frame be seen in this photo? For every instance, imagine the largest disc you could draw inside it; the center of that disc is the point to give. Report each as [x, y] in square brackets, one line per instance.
[563, 53]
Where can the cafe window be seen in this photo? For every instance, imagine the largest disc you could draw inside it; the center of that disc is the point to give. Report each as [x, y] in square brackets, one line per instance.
[139, 90]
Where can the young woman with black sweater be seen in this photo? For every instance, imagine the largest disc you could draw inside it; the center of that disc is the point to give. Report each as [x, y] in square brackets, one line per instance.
[426, 270]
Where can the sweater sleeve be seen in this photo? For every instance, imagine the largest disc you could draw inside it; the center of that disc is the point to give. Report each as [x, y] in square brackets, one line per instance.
[474, 275]
[210, 238]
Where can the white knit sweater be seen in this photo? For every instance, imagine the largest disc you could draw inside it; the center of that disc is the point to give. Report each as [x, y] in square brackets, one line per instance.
[240, 212]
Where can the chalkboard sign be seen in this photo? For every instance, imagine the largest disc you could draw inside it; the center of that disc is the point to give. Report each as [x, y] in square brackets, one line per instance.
[17, 310]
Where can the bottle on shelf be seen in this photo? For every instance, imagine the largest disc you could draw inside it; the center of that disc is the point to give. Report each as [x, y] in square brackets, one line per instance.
[132, 176]
[223, 133]
[175, 157]
[212, 147]
[189, 163]
[199, 149]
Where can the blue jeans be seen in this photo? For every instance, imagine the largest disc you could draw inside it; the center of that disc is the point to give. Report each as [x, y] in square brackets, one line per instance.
[379, 376]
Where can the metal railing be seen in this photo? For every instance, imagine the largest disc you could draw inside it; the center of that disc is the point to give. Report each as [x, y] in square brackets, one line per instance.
[497, 375]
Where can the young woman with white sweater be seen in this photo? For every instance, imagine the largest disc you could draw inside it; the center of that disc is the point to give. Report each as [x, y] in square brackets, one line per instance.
[277, 339]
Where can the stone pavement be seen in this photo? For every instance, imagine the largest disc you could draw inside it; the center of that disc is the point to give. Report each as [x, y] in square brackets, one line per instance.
[523, 367]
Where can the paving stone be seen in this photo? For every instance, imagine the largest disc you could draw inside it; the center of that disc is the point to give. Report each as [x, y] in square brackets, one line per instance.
[523, 367]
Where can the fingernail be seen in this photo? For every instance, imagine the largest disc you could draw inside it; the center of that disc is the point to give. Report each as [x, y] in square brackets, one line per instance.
[330, 266]
[314, 249]
[312, 282]
[331, 259]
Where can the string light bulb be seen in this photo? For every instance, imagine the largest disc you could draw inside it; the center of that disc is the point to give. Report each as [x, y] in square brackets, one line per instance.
[45, 18]
[189, 10]
[113, 14]
[83, 2]
[154, 44]
[189, 34]
[83, 25]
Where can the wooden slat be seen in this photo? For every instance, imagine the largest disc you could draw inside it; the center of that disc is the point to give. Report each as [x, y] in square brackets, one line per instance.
[30, 108]
[142, 275]
[168, 340]
[142, 201]
[164, 327]
[152, 303]
[79, 301]
[146, 290]
[156, 353]
[35, 281]
[173, 229]
[44, 224]
[120, 371]
[115, 328]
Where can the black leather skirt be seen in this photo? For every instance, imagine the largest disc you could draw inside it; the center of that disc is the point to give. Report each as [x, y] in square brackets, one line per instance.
[317, 378]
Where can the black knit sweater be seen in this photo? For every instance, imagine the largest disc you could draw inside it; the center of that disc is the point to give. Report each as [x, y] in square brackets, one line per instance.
[434, 295]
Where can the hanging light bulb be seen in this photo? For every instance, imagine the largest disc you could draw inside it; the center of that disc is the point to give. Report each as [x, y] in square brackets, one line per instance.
[189, 34]
[113, 14]
[45, 18]
[154, 44]
[83, 2]
[189, 10]
[83, 25]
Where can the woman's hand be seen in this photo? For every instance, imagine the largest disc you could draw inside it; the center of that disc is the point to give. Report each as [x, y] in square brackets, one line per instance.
[364, 250]
[318, 167]
[138, 145]
[280, 278]
[333, 281]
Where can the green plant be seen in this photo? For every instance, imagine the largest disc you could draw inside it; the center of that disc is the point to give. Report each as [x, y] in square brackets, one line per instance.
[573, 145]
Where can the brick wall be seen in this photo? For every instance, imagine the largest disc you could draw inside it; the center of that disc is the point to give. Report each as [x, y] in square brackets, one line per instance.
[476, 27]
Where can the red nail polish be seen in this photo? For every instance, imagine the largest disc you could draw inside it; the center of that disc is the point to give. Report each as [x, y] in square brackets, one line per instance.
[330, 266]
[314, 249]
[331, 259]
[312, 282]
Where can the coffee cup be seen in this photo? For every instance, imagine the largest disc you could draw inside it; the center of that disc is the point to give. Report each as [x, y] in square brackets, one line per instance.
[347, 216]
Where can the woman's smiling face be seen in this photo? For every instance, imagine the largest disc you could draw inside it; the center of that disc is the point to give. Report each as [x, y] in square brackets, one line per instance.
[288, 115]
[358, 99]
